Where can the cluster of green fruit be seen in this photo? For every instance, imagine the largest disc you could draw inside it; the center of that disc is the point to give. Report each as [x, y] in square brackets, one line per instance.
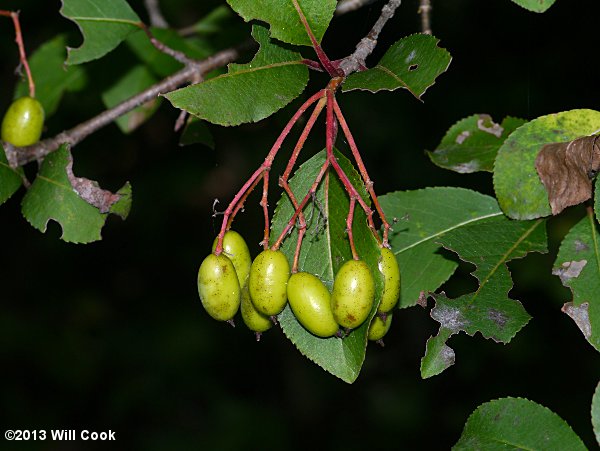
[263, 287]
[23, 122]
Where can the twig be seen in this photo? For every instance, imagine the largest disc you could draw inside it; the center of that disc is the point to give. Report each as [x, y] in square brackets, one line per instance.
[365, 47]
[425, 12]
[19, 40]
[83, 130]
[155, 14]
[175, 54]
[346, 6]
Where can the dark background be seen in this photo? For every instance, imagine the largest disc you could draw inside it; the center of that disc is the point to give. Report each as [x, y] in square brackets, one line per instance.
[112, 335]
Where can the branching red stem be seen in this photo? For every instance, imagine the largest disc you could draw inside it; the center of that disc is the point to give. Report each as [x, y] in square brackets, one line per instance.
[292, 221]
[362, 169]
[264, 203]
[323, 58]
[266, 166]
[14, 15]
[349, 221]
[283, 180]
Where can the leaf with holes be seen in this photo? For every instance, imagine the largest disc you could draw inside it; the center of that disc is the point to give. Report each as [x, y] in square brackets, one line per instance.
[578, 266]
[472, 143]
[284, 18]
[52, 78]
[248, 92]
[414, 239]
[518, 187]
[516, 423]
[10, 179]
[133, 82]
[489, 245]
[324, 249]
[104, 24]
[52, 196]
[537, 6]
[412, 63]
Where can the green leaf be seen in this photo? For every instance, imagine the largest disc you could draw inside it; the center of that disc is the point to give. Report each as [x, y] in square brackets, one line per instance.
[537, 6]
[489, 245]
[214, 21]
[596, 413]
[248, 92]
[158, 62]
[196, 132]
[516, 423]
[472, 143]
[285, 20]
[10, 179]
[578, 266]
[519, 189]
[104, 24]
[415, 236]
[324, 249]
[122, 207]
[133, 82]
[52, 196]
[52, 78]
[413, 63]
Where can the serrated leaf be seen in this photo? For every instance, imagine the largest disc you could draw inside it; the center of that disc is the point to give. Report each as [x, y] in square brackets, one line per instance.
[248, 92]
[10, 179]
[136, 80]
[472, 143]
[52, 78]
[578, 266]
[516, 423]
[489, 245]
[413, 63]
[158, 62]
[196, 132]
[596, 413]
[51, 196]
[104, 24]
[518, 187]
[537, 6]
[284, 19]
[415, 235]
[324, 249]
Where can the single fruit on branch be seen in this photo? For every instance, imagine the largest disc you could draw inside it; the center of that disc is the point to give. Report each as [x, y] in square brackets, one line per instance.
[23, 122]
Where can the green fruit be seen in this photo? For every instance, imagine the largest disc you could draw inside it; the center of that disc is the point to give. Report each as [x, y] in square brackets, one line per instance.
[269, 275]
[388, 266]
[311, 303]
[379, 327]
[218, 287]
[353, 294]
[236, 249]
[255, 320]
[23, 122]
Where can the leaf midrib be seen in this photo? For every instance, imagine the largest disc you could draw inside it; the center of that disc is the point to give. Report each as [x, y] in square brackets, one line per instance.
[504, 258]
[449, 229]
[134, 23]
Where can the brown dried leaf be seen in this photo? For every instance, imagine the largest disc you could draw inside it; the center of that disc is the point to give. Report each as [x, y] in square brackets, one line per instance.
[90, 191]
[567, 170]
